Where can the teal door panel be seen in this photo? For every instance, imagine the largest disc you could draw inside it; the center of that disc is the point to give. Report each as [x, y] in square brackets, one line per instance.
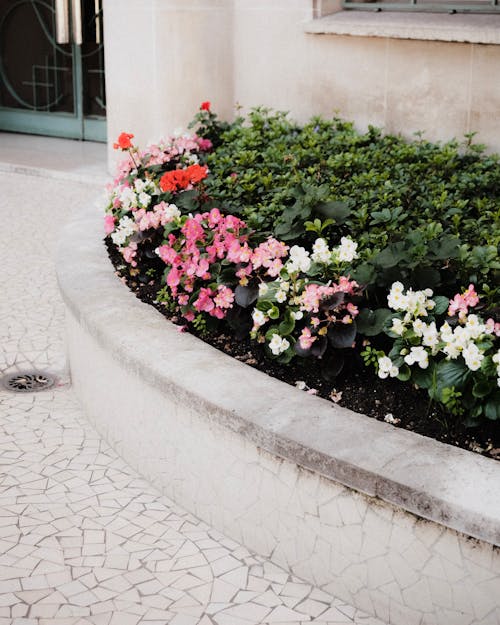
[49, 86]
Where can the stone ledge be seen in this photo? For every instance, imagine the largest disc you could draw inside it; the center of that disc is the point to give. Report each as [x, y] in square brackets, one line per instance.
[459, 27]
[449, 486]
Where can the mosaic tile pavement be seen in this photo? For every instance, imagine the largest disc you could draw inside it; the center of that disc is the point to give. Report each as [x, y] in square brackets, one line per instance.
[83, 539]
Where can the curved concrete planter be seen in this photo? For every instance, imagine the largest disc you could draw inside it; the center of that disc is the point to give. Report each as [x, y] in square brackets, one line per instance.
[396, 524]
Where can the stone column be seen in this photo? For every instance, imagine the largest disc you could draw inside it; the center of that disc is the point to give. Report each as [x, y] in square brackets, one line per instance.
[162, 59]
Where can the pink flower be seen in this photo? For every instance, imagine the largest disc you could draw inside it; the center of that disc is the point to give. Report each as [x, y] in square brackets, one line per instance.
[312, 296]
[274, 268]
[352, 309]
[493, 326]
[461, 303]
[224, 297]
[345, 285]
[109, 224]
[306, 339]
[192, 230]
[214, 217]
[173, 278]
[204, 144]
[204, 303]
[129, 253]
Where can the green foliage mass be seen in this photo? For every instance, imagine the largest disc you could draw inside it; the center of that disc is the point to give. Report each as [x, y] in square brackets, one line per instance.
[422, 212]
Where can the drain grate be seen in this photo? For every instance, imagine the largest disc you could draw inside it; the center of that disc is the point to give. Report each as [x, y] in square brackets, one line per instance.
[28, 382]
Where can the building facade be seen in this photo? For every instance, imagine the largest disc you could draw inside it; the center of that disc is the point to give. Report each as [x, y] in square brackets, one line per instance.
[433, 69]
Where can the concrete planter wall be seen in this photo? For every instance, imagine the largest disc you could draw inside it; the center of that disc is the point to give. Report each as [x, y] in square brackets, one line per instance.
[400, 526]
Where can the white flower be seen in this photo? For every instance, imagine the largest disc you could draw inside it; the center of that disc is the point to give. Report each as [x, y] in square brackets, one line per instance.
[347, 250]
[418, 355]
[171, 212]
[430, 337]
[386, 368]
[320, 252]
[474, 327]
[418, 327]
[128, 198]
[144, 199]
[472, 356]
[396, 300]
[299, 260]
[281, 296]
[299, 314]
[398, 327]
[496, 360]
[278, 344]
[126, 227]
[414, 303]
[139, 185]
[285, 286]
[259, 318]
[263, 289]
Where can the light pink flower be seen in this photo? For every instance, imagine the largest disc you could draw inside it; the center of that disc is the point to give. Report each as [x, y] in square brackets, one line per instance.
[224, 297]
[109, 224]
[462, 302]
[306, 339]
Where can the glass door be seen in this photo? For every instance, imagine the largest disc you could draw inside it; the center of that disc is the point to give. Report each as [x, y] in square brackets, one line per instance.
[52, 68]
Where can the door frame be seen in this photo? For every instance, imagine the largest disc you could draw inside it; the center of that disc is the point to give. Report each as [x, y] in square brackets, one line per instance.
[58, 124]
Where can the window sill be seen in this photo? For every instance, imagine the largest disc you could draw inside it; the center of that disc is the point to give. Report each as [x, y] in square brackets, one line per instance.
[458, 27]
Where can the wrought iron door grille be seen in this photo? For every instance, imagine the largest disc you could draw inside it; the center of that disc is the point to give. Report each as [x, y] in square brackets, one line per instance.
[430, 6]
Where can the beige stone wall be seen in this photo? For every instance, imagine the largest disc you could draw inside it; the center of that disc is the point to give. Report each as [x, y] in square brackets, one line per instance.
[163, 57]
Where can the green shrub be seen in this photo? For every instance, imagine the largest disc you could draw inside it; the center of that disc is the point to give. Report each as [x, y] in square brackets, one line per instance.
[424, 213]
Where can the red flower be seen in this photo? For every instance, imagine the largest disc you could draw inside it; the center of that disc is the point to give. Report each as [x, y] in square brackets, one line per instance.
[123, 142]
[205, 106]
[196, 173]
[181, 178]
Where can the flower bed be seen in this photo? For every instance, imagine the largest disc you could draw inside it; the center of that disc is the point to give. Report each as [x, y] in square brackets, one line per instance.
[312, 276]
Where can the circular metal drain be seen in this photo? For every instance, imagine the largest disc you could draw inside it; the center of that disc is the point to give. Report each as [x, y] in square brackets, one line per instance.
[28, 382]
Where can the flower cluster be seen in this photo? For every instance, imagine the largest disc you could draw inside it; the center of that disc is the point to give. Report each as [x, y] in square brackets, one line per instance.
[412, 303]
[192, 253]
[179, 179]
[293, 314]
[293, 298]
[460, 340]
[140, 198]
[453, 356]
[346, 252]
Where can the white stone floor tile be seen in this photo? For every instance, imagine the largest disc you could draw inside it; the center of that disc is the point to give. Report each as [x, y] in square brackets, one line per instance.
[83, 539]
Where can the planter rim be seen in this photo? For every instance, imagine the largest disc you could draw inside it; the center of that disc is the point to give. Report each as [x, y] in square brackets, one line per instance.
[438, 482]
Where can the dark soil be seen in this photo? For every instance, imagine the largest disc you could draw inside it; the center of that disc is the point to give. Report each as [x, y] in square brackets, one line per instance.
[357, 388]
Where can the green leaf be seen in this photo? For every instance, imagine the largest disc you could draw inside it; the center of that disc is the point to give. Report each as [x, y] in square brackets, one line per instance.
[273, 312]
[364, 273]
[372, 322]
[426, 277]
[423, 378]
[404, 373]
[492, 408]
[452, 373]
[442, 304]
[339, 211]
[391, 256]
[287, 326]
[444, 248]
[482, 388]
[187, 201]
